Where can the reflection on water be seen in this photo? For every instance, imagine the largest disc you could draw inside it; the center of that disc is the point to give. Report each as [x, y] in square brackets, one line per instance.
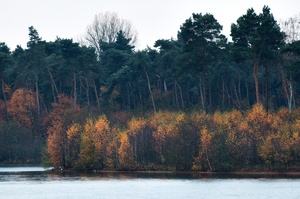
[24, 169]
[40, 184]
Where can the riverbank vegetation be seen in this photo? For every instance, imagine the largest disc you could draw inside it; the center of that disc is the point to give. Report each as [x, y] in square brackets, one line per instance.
[251, 140]
[197, 102]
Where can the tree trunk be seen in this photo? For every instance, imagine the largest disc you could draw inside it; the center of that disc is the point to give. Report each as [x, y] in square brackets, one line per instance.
[204, 89]
[240, 93]
[210, 99]
[288, 90]
[151, 94]
[133, 101]
[223, 93]
[237, 95]
[255, 75]
[128, 96]
[53, 84]
[5, 100]
[180, 91]
[141, 99]
[87, 91]
[201, 94]
[75, 90]
[38, 106]
[176, 98]
[165, 85]
[96, 93]
[267, 89]
[291, 96]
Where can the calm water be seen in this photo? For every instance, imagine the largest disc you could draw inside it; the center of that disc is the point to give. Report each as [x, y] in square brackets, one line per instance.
[30, 182]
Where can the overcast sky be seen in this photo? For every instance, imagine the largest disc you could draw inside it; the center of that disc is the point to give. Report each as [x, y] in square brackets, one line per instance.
[153, 19]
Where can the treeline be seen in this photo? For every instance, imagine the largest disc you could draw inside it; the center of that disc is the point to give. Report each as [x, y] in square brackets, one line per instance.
[105, 75]
[253, 140]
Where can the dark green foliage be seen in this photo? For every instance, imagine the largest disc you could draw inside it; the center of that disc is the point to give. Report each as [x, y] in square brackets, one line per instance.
[18, 145]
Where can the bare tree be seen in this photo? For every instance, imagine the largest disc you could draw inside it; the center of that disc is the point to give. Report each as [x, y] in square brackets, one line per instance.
[291, 27]
[105, 27]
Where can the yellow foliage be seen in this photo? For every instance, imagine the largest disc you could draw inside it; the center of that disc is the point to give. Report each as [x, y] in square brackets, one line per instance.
[259, 122]
[276, 148]
[165, 125]
[73, 131]
[136, 125]
[102, 137]
[87, 156]
[205, 137]
[125, 152]
[218, 118]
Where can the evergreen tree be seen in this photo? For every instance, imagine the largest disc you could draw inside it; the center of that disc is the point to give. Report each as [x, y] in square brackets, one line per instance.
[256, 36]
[200, 35]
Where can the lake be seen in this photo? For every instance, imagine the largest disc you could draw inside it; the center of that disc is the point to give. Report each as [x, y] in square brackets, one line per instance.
[34, 182]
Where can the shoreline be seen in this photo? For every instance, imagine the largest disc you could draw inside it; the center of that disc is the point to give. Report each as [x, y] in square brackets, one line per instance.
[234, 173]
[237, 173]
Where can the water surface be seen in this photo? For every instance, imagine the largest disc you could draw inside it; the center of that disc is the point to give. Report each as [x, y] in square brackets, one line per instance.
[39, 184]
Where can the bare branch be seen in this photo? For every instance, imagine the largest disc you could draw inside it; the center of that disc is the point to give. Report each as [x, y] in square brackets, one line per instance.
[291, 27]
[105, 27]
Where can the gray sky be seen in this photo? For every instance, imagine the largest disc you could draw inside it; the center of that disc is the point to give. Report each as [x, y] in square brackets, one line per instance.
[153, 19]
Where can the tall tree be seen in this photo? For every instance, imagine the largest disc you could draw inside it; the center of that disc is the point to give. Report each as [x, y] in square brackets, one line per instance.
[141, 64]
[6, 60]
[71, 51]
[166, 67]
[200, 35]
[290, 73]
[29, 67]
[105, 28]
[256, 36]
[291, 27]
[114, 66]
[34, 37]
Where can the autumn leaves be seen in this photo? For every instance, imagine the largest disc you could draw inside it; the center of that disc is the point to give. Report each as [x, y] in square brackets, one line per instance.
[233, 141]
[230, 141]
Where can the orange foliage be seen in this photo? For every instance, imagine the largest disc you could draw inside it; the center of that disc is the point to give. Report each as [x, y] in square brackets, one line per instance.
[56, 144]
[119, 118]
[2, 112]
[57, 129]
[199, 141]
[284, 114]
[21, 107]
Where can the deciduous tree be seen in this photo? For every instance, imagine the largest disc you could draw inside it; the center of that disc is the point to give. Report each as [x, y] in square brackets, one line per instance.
[106, 27]
[22, 107]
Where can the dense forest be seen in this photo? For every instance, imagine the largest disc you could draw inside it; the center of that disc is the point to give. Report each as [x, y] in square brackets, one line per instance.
[197, 102]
